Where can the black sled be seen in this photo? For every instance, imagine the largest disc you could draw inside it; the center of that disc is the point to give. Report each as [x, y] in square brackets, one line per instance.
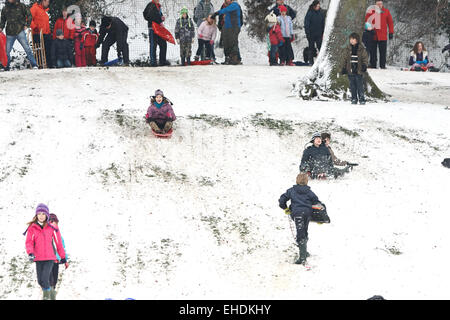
[320, 214]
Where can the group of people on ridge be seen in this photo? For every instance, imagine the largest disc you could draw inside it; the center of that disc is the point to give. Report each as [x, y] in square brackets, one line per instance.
[70, 42]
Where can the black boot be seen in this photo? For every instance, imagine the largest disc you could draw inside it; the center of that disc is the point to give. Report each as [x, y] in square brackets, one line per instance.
[188, 60]
[303, 254]
[183, 60]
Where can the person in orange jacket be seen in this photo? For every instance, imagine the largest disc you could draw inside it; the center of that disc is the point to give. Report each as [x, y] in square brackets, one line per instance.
[41, 22]
[66, 24]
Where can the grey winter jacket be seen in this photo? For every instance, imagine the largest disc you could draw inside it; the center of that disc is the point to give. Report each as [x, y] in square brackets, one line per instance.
[202, 10]
[184, 30]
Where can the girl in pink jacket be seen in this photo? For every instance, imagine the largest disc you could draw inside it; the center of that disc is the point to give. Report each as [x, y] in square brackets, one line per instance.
[206, 36]
[42, 242]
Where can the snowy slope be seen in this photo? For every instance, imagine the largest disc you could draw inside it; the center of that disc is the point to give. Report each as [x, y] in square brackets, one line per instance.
[197, 216]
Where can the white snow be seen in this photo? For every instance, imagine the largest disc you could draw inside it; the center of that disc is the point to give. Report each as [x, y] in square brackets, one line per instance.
[197, 217]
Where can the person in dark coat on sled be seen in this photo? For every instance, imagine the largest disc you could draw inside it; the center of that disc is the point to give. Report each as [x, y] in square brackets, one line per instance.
[302, 199]
[317, 161]
[160, 115]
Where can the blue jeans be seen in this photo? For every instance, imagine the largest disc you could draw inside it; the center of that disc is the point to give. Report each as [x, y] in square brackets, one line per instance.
[63, 63]
[273, 54]
[22, 38]
[357, 87]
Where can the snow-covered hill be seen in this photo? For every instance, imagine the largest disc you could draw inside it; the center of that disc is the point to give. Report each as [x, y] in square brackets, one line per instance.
[197, 216]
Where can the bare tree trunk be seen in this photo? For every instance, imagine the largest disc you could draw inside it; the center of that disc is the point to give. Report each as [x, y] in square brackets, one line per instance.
[323, 82]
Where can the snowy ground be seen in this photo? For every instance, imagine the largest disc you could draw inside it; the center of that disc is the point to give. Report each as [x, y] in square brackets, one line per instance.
[197, 217]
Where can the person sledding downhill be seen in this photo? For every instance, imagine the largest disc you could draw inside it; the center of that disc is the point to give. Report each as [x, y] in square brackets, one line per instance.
[160, 115]
[300, 210]
[42, 243]
[317, 161]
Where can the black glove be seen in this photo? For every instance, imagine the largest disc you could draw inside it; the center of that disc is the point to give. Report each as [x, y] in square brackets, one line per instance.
[344, 71]
[31, 257]
[63, 260]
[363, 68]
[352, 164]
[97, 46]
[391, 36]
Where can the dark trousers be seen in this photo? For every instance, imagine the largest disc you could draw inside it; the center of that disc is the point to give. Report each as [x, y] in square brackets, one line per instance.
[155, 41]
[48, 41]
[231, 41]
[357, 87]
[313, 42]
[380, 46]
[121, 39]
[209, 48]
[301, 221]
[286, 51]
[43, 271]
[54, 274]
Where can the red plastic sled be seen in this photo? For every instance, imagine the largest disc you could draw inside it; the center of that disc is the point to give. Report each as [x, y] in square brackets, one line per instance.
[3, 56]
[167, 135]
[201, 62]
[163, 32]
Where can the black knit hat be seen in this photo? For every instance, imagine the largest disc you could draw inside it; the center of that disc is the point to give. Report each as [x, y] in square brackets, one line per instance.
[92, 24]
[106, 21]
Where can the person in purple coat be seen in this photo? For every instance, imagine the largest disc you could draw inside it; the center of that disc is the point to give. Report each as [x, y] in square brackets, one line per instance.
[160, 115]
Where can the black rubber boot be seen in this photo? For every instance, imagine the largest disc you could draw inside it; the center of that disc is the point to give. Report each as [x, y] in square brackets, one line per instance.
[303, 254]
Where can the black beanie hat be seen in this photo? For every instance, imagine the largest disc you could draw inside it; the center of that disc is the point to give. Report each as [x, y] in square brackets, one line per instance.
[106, 21]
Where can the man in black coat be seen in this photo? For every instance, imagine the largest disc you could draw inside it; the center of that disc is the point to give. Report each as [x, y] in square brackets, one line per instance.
[291, 12]
[152, 13]
[314, 28]
[115, 30]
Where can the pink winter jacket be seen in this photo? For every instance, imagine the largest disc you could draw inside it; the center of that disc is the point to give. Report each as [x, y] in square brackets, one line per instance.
[42, 242]
[207, 31]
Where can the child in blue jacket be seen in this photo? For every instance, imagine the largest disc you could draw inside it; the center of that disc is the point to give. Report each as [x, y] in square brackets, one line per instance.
[302, 199]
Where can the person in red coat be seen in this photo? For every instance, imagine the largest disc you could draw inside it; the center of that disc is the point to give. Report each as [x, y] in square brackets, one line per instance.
[80, 52]
[381, 19]
[276, 41]
[66, 24]
[90, 39]
[41, 243]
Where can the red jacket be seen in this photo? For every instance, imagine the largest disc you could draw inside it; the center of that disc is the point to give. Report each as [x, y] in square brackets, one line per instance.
[42, 242]
[65, 26]
[78, 34]
[275, 35]
[90, 38]
[41, 20]
[381, 22]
